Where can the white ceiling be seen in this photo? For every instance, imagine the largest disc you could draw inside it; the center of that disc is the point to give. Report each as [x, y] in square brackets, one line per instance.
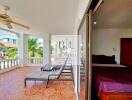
[114, 14]
[45, 16]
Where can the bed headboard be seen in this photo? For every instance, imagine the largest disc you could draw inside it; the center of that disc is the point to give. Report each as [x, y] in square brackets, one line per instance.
[103, 59]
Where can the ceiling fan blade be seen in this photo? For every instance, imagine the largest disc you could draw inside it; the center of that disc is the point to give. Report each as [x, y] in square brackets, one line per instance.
[5, 22]
[9, 26]
[27, 27]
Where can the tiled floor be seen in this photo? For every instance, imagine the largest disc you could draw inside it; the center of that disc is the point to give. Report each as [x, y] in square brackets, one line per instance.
[82, 90]
[12, 87]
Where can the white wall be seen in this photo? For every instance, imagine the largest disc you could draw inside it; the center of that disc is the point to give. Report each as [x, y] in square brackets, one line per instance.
[82, 9]
[107, 41]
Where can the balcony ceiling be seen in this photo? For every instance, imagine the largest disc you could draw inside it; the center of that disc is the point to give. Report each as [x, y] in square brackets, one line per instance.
[45, 16]
[114, 14]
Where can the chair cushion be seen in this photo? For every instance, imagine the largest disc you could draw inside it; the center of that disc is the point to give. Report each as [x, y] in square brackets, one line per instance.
[47, 67]
[42, 75]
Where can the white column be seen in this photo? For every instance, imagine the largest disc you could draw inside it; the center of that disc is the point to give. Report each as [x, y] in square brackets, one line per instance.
[75, 61]
[46, 48]
[22, 49]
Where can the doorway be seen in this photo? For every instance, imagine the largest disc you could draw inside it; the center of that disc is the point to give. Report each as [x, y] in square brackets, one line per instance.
[85, 50]
[85, 33]
[126, 51]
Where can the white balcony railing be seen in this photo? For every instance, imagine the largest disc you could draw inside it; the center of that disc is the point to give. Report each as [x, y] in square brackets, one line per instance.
[8, 63]
[35, 60]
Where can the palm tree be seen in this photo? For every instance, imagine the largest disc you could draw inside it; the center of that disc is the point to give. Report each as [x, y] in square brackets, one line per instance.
[1, 46]
[34, 48]
[12, 52]
[1, 49]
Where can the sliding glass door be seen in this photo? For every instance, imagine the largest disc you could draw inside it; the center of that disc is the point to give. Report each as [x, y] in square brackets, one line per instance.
[85, 32]
[82, 50]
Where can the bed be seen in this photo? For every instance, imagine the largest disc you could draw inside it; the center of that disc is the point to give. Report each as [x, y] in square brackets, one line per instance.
[111, 82]
[108, 65]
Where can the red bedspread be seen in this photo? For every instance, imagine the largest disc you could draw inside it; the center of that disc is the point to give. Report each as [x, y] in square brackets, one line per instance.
[112, 79]
[110, 85]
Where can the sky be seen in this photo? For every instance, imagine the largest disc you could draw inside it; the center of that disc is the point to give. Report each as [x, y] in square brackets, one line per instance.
[5, 34]
[40, 40]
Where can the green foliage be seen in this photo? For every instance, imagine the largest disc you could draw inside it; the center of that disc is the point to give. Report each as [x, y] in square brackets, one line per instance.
[1, 46]
[34, 49]
[12, 52]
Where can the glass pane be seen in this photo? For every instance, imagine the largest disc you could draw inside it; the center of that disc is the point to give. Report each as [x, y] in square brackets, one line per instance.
[82, 47]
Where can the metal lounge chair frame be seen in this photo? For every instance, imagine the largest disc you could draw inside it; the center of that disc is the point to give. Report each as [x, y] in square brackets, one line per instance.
[52, 75]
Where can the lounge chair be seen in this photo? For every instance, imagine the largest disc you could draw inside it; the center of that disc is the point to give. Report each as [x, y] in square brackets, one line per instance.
[47, 75]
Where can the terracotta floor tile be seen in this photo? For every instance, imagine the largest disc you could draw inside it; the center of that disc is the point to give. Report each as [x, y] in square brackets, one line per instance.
[12, 87]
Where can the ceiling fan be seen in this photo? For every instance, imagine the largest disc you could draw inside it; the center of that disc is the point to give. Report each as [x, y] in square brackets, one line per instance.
[7, 20]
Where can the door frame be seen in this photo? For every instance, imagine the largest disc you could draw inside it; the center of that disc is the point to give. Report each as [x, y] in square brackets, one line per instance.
[90, 11]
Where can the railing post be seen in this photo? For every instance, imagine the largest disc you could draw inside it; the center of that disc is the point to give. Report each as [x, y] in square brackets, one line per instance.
[14, 62]
[8, 63]
[11, 63]
[35, 60]
[4, 64]
[0, 64]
